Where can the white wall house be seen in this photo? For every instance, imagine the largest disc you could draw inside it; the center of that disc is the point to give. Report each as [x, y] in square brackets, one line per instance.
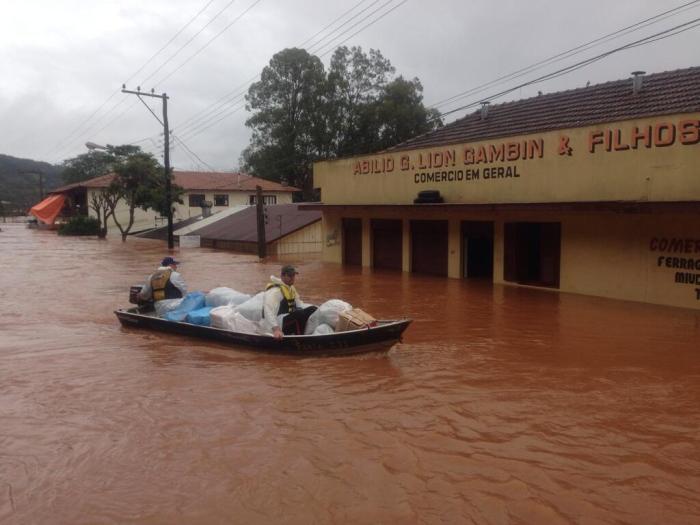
[222, 189]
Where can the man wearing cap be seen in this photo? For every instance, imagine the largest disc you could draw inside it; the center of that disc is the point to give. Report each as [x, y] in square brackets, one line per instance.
[283, 311]
[165, 283]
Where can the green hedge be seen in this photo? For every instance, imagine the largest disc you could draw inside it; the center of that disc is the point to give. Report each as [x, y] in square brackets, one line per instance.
[80, 225]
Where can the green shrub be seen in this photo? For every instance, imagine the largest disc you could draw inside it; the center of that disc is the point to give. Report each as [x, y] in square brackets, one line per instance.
[80, 225]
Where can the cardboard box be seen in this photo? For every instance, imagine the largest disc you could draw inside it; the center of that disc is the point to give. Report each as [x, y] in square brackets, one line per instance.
[353, 320]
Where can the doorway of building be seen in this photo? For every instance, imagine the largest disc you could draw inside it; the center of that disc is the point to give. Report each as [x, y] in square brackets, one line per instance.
[429, 247]
[477, 249]
[531, 253]
[387, 243]
[352, 242]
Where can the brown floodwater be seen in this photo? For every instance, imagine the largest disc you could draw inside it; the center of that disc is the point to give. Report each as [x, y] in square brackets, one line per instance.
[502, 405]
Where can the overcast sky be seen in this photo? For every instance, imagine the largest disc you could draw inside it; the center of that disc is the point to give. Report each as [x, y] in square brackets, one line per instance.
[62, 60]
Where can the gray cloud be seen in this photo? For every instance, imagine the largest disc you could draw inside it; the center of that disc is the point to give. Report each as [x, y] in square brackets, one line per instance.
[62, 59]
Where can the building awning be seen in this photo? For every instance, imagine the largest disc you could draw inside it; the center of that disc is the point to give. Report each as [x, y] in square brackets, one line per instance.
[48, 209]
[598, 206]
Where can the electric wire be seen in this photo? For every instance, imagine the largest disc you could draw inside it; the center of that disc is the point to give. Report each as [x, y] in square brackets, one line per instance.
[72, 135]
[208, 43]
[571, 52]
[172, 39]
[236, 105]
[183, 46]
[353, 17]
[240, 90]
[366, 26]
[334, 21]
[673, 31]
[187, 148]
[315, 49]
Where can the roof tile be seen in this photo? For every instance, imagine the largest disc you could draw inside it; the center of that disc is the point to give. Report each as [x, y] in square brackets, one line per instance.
[670, 92]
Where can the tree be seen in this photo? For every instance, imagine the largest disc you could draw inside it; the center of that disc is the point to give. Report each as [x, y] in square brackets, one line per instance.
[301, 114]
[103, 203]
[135, 176]
[355, 82]
[95, 163]
[287, 104]
[401, 113]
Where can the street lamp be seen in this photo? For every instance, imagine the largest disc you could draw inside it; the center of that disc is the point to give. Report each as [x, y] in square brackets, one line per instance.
[92, 146]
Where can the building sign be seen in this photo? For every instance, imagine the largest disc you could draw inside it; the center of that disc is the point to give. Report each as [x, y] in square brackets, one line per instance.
[504, 160]
[681, 257]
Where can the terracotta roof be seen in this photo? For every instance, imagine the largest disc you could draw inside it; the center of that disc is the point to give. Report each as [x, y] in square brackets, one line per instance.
[98, 182]
[282, 219]
[197, 181]
[671, 92]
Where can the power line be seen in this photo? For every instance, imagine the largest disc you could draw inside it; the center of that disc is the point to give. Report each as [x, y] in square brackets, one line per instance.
[240, 90]
[571, 52]
[191, 20]
[334, 21]
[77, 130]
[218, 116]
[183, 46]
[256, 2]
[187, 148]
[329, 44]
[568, 69]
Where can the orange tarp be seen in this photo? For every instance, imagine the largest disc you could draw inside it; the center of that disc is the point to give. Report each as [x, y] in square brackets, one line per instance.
[48, 209]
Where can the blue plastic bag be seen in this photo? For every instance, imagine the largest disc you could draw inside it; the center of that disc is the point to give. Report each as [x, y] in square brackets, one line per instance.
[192, 301]
[200, 316]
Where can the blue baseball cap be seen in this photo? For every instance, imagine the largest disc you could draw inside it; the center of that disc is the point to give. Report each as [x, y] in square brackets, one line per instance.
[168, 261]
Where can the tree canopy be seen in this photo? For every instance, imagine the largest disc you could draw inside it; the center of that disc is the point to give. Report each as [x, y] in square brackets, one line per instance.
[301, 113]
[95, 163]
[138, 181]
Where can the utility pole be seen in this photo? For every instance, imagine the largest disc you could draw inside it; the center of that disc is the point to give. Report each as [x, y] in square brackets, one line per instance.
[166, 153]
[262, 246]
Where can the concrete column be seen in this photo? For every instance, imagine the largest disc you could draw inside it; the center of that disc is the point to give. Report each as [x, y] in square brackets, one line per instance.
[454, 249]
[366, 242]
[406, 245]
[498, 251]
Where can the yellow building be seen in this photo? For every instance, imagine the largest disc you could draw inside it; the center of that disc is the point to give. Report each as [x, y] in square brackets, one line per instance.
[594, 191]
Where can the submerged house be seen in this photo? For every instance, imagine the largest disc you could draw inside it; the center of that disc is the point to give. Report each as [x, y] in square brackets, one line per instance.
[204, 192]
[593, 190]
[287, 230]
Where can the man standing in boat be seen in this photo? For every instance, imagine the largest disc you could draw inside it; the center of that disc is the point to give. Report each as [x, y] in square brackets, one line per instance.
[165, 283]
[283, 311]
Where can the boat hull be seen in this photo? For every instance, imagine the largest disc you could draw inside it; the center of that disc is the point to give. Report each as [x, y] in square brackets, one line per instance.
[379, 338]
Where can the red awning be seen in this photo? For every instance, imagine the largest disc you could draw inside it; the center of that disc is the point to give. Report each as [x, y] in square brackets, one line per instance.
[48, 209]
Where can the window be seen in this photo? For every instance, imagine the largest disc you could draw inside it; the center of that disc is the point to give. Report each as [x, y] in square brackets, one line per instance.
[531, 253]
[196, 200]
[267, 199]
[221, 200]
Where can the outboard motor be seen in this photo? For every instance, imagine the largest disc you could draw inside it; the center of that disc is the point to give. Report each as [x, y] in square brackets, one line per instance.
[134, 294]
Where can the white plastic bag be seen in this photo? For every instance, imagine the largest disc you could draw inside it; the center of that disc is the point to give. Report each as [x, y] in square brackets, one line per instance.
[312, 322]
[225, 296]
[228, 318]
[323, 329]
[166, 305]
[252, 308]
[219, 316]
[330, 310]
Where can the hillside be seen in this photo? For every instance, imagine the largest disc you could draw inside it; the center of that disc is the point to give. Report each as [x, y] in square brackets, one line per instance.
[19, 182]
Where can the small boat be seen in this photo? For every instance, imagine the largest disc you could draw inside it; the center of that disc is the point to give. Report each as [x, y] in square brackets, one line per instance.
[376, 338]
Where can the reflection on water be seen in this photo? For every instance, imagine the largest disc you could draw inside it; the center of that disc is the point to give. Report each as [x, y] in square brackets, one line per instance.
[503, 405]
